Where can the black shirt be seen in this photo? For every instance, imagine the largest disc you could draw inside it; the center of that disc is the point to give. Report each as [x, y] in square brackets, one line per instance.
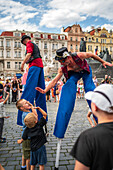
[94, 147]
[36, 135]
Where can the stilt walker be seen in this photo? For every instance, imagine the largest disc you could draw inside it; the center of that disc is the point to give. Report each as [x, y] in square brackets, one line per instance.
[74, 67]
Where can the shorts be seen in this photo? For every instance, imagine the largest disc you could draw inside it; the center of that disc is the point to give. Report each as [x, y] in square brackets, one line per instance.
[26, 148]
[38, 156]
[48, 93]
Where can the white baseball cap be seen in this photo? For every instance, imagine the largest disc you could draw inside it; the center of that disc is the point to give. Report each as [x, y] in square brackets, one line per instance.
[102, 96]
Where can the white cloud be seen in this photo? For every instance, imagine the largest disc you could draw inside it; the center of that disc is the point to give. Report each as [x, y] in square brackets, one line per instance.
[64, 12]
[14, 15]
[107, 26]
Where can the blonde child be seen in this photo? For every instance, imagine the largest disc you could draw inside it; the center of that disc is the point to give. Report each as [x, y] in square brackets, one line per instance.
[35, 131]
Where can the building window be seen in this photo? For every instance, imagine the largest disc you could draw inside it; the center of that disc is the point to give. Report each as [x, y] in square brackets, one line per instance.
[19, 65]
[76, 30]
[63, 37]
[96, 39]
[71, 38]
[8, 53]
[8, 43]
[89, 39]
[110, 49]
[53, 46]
[56, 46]
[62, 45]
[2, 53]
[45, 45]
[71, 46]
[76, 47]
[54, 37]
[8, 64]
[89, 47]
[19, 54]
[17, 34]
[16, 65]
[37, 35]
[45, 35]
[15, 44]
[19, 44]
[76, 39]
[110, 41]
[1, 43]
[16, 54]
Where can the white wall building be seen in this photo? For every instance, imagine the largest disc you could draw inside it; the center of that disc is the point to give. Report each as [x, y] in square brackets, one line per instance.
[12, 52]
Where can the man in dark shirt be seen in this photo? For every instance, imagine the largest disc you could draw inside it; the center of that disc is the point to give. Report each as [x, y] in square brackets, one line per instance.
[93, 149]
[35, 77]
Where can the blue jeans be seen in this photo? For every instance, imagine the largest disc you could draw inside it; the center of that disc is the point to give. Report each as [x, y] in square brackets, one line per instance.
[35, 78]
[67, 100]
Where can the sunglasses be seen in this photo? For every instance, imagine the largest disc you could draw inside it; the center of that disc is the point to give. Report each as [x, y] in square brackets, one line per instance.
[62, 61]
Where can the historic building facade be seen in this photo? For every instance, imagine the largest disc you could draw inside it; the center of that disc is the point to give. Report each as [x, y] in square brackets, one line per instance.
[98, 40]
[12, 52]
[74, 34]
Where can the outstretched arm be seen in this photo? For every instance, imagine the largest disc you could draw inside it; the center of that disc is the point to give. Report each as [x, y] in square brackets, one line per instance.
[52, 83]
[84, 55]
[28, 55]
[42, 111]
[32, 108]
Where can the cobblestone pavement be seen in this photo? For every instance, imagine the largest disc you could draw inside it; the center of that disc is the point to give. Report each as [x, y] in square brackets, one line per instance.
[11, 152]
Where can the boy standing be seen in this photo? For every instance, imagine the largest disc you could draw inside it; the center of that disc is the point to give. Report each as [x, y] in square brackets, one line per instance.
[25, 107]
[94, 147]
[35, 131]
[2, 116]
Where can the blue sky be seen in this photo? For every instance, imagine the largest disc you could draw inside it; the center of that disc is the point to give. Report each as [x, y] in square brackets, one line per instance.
[52, 15]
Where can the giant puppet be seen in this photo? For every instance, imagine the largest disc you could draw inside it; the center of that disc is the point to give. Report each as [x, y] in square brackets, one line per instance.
[73, 66]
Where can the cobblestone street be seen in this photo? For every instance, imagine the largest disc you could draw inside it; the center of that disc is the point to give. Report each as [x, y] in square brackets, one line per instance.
[11, 152]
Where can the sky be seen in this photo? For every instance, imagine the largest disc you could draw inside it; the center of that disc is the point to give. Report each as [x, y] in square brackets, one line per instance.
[52, 15]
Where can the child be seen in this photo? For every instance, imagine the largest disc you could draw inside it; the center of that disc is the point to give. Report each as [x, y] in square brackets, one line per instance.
[2, 116]
[89, 119]
[35, 131]
[94, 147]
[81, 86]
[25, 106]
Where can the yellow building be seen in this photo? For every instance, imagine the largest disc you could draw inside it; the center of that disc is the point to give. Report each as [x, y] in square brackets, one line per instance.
[99, 39]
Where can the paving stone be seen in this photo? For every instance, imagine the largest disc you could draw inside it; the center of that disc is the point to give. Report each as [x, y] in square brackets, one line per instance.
[11, 151]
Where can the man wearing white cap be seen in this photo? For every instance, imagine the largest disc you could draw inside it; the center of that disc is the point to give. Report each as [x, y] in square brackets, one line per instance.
[93, 149]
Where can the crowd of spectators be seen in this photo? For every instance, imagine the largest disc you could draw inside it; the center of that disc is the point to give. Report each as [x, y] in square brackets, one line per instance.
[13, 86]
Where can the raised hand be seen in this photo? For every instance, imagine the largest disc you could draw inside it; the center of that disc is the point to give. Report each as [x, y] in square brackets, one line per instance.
[40, 90]
[107, 64]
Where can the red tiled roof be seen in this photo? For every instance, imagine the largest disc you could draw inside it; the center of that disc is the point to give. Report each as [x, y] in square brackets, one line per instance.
[6, 33]
[67, 29]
